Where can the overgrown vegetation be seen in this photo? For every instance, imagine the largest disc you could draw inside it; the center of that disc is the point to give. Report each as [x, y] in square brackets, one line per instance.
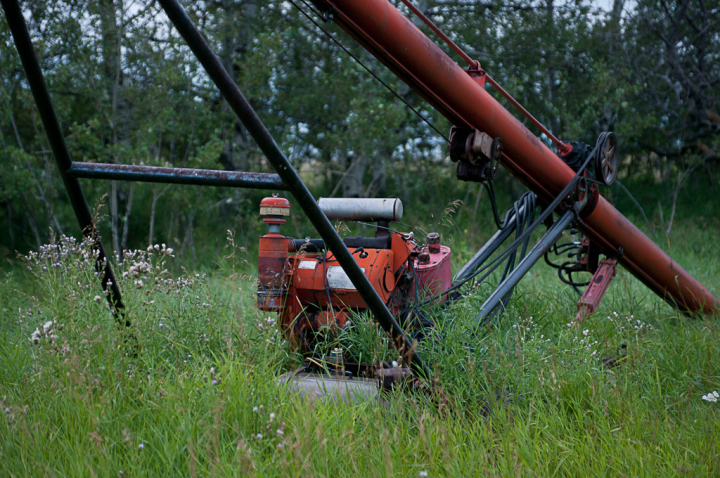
[190, 388]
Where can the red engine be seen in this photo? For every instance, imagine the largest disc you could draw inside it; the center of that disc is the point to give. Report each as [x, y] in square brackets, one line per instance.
[305, 285]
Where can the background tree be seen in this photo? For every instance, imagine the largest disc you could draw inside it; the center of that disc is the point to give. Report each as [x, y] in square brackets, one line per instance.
[128, 90]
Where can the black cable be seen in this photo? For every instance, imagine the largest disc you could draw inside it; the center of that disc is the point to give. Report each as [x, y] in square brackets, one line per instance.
[495, 262]
[491, 195]
[566, 269]
[359, 62]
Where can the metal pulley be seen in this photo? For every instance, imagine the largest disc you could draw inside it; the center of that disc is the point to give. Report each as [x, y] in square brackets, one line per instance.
[607, 158]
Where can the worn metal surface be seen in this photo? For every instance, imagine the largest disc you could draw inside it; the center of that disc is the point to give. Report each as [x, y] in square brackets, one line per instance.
[365, 209]
[316, 387]
[399, 44]
[595, 291]
[156, 174]
[290, 177]
[40, 93]
[433, 273]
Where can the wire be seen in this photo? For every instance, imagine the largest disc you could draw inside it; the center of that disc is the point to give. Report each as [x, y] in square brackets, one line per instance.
[566, 269]
[359, 62]
[473, 64]
[377, 226]
[495, 262]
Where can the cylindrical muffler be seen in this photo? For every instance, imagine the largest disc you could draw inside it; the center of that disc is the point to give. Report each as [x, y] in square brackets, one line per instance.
[349, 209]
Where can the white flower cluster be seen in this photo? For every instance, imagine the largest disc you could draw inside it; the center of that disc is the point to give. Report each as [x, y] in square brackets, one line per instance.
[161, 250]
[46, 332]
[711, 397]
[63, 255]
[269, 425]
[628, 323]
[138, 268]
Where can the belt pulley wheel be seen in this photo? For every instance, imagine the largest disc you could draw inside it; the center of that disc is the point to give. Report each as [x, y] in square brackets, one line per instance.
[607, 158]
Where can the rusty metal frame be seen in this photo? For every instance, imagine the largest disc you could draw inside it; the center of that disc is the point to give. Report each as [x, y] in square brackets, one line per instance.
[156, 174]
[286, 178]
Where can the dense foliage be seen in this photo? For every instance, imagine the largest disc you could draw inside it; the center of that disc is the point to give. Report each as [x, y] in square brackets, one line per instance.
[127, 90]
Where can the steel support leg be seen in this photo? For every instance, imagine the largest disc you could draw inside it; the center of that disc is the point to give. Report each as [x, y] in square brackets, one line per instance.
[290, 177]
[40, 93]
[538, 250]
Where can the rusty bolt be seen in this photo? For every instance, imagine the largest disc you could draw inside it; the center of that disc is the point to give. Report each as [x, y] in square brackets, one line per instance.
[424, 258]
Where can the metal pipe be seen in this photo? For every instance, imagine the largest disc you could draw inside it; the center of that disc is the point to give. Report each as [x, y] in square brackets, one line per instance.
[198, 177]
[400, 45]
[317, 245]
[476, 64]
[290, 177]
[362, 209]
[440, 33]
[55, 137]
[538, 250]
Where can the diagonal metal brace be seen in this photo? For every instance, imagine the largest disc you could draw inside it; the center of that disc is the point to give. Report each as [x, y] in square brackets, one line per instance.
[40, 93]
[245, 112]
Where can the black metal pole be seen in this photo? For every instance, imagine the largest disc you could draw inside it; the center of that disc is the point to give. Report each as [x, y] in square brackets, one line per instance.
[542, 246]
[35, 78]
[197, 177]
[290, 177]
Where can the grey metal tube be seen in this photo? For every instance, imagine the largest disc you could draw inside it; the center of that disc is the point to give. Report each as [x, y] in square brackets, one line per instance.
[40, 93]
[290, 177]
[365, 209]
[154, 174]
[542, 246]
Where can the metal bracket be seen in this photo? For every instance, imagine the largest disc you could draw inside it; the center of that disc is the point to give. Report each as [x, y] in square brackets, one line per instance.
[477, 74]
[477, 154]
[328, 13]
[594, 293]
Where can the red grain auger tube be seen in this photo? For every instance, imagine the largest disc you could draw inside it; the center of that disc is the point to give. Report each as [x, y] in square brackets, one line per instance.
[417, 60]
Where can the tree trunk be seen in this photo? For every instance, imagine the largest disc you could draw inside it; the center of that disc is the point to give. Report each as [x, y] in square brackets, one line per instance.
[378, 185]
[126, 220]
[354, 174]
[114, 217]
[52, 219]
[153, 204]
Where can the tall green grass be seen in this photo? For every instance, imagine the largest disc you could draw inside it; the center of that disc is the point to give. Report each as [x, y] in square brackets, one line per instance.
[190, 388]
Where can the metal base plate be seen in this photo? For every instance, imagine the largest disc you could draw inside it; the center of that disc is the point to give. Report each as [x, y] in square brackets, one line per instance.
[321, 387]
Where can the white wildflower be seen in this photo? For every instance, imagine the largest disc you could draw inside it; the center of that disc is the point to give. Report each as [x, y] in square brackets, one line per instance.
[711, 397]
